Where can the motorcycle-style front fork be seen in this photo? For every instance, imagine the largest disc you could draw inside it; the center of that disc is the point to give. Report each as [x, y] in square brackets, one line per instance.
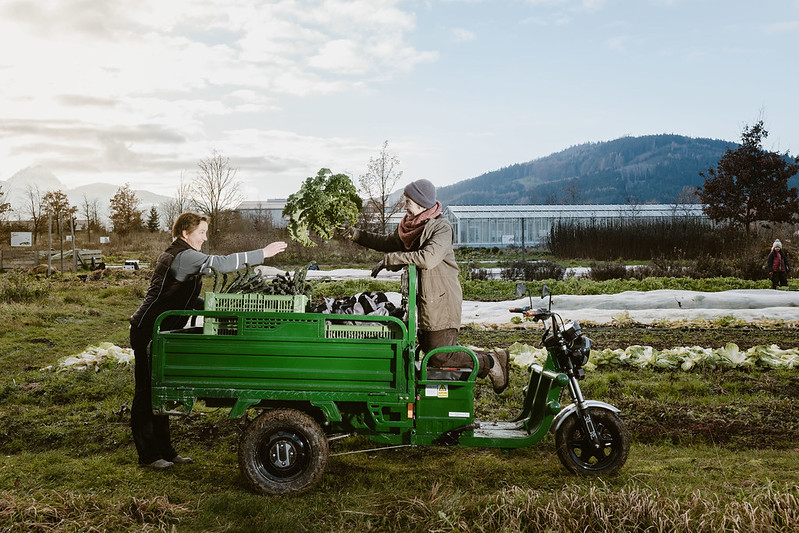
[585, 418]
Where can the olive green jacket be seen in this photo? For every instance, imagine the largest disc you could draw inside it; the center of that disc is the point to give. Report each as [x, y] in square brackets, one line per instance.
[439, 296]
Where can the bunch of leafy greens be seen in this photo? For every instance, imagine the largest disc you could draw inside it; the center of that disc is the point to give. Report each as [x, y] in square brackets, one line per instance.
[323, 203]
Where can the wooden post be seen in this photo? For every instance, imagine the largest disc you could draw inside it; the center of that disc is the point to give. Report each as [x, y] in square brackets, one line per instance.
[61, 242]
[49, 244]
[74, 253]
[522, 239]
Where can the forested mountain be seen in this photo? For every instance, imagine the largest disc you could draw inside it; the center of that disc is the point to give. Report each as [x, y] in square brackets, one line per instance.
[647, 169]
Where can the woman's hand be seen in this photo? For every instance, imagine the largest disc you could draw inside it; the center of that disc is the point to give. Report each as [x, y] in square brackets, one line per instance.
[274, 248]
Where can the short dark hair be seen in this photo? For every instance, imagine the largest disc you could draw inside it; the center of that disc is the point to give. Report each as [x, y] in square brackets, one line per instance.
[187, 222]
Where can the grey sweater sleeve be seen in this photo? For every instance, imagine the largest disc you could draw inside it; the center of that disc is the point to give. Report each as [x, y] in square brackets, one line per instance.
[189, 262]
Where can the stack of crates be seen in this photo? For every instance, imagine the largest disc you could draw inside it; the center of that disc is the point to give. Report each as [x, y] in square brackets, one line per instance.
[247, 302]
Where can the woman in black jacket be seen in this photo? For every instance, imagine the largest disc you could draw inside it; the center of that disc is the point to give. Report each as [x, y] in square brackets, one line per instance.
[175, 284]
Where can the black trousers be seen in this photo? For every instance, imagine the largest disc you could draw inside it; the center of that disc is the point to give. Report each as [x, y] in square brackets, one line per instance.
[449, 337]
[779, 278]
[150, 432]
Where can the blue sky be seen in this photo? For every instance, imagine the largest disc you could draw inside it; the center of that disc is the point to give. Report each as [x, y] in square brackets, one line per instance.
[138, 92]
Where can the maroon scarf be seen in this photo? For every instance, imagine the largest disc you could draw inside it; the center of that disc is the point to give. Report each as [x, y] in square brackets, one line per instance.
[410, 229]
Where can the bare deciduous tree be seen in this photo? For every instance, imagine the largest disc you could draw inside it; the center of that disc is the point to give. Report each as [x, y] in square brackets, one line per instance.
[90, 210]
[5, 207]
[376, 186]
[56, 204]
[171, 209]
[34, 208]
[215, 191]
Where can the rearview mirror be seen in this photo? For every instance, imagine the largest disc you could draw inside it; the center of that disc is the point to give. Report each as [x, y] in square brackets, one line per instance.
[544, 291]
[521, 289]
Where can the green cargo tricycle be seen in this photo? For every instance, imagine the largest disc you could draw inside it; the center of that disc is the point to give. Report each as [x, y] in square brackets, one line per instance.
[314, 377]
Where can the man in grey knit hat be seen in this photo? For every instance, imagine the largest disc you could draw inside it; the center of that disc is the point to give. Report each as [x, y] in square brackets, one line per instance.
[424, 238]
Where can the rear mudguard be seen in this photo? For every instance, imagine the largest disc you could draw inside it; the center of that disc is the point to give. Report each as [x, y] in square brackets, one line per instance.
[569, 409]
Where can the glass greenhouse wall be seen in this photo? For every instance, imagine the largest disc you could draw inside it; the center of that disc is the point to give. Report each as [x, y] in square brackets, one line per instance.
[529, 225]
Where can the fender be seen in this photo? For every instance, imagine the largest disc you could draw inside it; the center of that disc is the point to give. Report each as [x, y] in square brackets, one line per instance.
[569, 409]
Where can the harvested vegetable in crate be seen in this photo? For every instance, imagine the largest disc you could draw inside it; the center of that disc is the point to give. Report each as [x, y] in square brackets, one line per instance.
[323, 203]
[251, 281]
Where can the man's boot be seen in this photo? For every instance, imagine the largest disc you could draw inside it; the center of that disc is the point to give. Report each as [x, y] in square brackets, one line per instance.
[499, 370]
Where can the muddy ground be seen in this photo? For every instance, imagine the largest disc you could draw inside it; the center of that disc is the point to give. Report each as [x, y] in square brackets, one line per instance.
[658, 338]
[754, 409]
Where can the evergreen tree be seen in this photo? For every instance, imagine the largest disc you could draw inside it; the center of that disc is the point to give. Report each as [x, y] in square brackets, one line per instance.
[153, 222]
[750, 184]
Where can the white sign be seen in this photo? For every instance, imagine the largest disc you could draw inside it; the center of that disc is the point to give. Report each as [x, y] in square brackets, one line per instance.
[437, 391]
[21, 238]
[104, 240]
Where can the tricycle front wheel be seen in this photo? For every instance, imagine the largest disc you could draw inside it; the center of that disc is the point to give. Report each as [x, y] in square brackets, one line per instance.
[283, 451]
[578, 453]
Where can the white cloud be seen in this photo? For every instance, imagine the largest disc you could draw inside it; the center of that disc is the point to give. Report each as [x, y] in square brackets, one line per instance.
[462, 35]
[788, 26]
[92, 73]
[618, 43]
[340, 56]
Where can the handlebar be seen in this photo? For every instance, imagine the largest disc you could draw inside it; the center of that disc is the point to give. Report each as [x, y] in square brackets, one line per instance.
[537, 314]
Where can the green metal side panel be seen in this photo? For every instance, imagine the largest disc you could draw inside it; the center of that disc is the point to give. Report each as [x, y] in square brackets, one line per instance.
[302, 364]
[357, 376]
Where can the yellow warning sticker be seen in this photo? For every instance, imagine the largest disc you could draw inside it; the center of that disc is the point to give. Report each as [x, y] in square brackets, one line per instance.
[438, 391]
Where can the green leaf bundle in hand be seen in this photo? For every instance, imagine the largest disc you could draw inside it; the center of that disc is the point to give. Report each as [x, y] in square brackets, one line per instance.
[324, 202]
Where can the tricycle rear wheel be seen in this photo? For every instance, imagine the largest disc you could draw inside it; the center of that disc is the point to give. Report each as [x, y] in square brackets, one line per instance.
[283, 451]
[577, 452]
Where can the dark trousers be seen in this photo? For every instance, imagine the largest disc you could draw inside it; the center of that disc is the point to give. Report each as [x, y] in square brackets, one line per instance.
[779, 278]
[429, 340]
[150, 432]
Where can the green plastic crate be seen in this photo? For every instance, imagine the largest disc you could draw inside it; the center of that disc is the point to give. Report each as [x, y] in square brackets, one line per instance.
[247, 302]
[371, 331]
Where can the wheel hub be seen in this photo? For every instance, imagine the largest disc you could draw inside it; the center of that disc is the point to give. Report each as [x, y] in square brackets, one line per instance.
[282, 454]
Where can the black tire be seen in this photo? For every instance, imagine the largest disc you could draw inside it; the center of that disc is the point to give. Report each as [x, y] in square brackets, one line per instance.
[577, 452]
[283, 451]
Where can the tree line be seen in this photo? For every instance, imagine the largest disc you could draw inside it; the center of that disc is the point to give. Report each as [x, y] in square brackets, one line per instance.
[749, 188]
[214, 191]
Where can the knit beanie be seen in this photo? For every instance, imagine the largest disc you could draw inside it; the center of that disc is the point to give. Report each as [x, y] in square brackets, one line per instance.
[776, 243]
[423, 192]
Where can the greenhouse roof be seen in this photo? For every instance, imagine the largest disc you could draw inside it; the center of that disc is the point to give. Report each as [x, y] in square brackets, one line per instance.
[572, 211]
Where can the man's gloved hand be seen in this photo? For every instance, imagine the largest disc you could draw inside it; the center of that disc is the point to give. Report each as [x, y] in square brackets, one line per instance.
[378, 267]
[345, 232]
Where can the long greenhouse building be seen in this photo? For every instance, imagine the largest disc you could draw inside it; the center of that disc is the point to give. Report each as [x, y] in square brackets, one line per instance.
[529, 225]
[508, 225]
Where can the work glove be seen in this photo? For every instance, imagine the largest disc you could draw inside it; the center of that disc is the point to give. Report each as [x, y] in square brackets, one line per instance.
[378, 267]
[345, 232]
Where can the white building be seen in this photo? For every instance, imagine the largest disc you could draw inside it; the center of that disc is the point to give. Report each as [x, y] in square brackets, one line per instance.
[271, 209]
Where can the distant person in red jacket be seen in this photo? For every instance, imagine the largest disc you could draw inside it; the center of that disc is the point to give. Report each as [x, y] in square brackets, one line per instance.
[777, 264]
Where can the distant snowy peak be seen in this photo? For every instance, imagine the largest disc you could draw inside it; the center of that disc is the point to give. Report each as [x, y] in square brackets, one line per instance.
[16, 189]
[36, 175]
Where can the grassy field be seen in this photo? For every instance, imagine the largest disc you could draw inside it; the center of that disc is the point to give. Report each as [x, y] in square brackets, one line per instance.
[711, 451]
